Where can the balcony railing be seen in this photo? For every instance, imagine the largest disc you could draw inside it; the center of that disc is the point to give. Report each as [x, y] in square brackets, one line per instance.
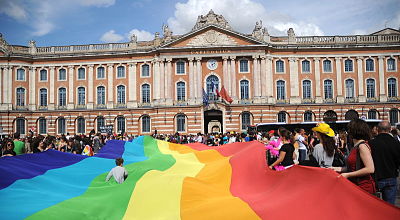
[372, 99]
[329, 100]
[282, 101]
[350, 100]
[80, 107]
[42, 107]
[101, 106]
[394, 99]
[245, 101]
[21, 107]
[144, 104]
[308, 101]
[180, 103]
[120, 105]
[61, 107]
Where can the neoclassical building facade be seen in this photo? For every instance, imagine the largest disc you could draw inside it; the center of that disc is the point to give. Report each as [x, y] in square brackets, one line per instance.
[145, 86]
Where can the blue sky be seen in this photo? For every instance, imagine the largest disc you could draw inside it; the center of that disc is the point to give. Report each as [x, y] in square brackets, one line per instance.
[68, 22]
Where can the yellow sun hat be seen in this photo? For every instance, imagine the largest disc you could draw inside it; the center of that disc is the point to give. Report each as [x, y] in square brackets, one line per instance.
[324, 128]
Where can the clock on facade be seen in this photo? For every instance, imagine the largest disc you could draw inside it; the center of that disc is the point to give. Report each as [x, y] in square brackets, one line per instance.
[212, 64]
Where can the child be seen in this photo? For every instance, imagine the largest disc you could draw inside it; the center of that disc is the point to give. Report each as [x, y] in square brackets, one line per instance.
[119, 172]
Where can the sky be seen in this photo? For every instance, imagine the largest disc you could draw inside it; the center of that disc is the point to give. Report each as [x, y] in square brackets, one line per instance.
[75, 22]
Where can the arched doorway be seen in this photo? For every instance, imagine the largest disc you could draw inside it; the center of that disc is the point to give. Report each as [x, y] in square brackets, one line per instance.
[351, 114]
[213, 121]
[330, 116]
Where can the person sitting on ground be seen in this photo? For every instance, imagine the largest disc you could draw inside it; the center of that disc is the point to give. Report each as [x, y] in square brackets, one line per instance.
[286, 152]
[324, 151]
[119, 172]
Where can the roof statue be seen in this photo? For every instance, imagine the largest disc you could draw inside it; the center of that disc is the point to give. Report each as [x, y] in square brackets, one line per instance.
[211, 18]
[167, 33]
[32, 46]
[133, 41]
[291, 36]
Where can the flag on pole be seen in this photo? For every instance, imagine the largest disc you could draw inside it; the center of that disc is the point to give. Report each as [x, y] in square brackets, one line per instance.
[214, 89]
[205, 98]
[224, 95]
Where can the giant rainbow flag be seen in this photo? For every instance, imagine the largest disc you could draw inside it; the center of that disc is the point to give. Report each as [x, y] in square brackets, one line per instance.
[172, 181]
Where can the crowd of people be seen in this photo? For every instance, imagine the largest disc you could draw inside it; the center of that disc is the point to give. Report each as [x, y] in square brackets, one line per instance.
[368, 157]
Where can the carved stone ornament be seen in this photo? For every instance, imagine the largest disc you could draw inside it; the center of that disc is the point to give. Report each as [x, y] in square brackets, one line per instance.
[211, 18]
[211, 37]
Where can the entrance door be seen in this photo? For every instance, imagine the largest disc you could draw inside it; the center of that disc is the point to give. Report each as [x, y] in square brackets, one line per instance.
[213, 121]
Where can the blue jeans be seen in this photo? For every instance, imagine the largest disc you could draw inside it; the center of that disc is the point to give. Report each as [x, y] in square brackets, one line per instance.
[388, 187]
[302, 154]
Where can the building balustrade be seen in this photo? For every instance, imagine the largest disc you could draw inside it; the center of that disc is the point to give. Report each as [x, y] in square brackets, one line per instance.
[101, 106]
[394, 99]
[79, 107]
[245, 101]
[372, 99]
[61, 107]
[329, 100]
[308, 101]
[42, 107]
[350, 100]
[21, 107]
[120, 105]
[180, 103]
[145, 104]
[282, 101]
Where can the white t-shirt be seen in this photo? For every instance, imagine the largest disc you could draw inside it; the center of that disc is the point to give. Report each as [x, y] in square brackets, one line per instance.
[119, 173]
[302, 146]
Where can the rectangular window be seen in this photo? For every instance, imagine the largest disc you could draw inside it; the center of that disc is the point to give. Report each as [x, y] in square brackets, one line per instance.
[20, 125]
[327, 66]
[244, 66]
[145, 70]
[369, 65]
[391, 64]
[307, 89]
[43, 75]
[62, 74]
[101, 73]
[180, 67]
[42, 126]
[121, 72]
[280, 66]
[61, 126]
[20, 74]
[81, 73]
[348, 66]
[305, 67]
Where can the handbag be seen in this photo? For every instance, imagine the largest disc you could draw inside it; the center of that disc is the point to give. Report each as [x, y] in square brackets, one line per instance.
[338, 159]
[311, 162]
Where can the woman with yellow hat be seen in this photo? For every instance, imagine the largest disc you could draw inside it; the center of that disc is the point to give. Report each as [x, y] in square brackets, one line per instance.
[325, 150]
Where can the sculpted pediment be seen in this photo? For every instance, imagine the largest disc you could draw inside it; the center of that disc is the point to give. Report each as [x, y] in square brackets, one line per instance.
[387, 31]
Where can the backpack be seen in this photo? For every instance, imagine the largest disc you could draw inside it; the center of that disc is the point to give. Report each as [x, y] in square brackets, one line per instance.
[338, 159]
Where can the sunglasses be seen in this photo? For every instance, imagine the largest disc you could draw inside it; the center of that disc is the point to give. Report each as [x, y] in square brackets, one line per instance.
[9, 144]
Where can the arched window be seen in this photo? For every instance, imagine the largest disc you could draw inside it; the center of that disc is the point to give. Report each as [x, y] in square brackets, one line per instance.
[43, 75]
[328, 90]
[20, 74]
[372, 114]
[307, 89]
[327, 66]
[369, 65]
[351, 114]
[330, 116]
[348, 65]
[43, 97]
[212, 87]
[61, 126]
[244, 66]
[393, 116]
[121, 94]
[370, 88]
[62, 96]
[282, 116]
[42, 126]
[146, 93]
[180, 91]
[349, 88]
[101, 122]
[245, 120]
[146, 123]
[305, 66]
[101, 95]
[244, 89]
[180, 123]
[81, 96]
[145, 70]
[180, 67]
[280, 66]
[308, 116]
[81, 73]
[280, 90]
[20, 125]
[81, 125]
[62, 74]
[120, 124]
[391, 64]
[101, 73]
[392, 87]
[120, 72]
[20, 97]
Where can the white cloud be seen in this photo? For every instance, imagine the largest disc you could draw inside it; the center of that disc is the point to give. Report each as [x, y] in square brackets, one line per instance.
[111, 37]
[394, 22]
[98, 3]
[141, 35]
[359, 32]
[250, 11]
[14, 10]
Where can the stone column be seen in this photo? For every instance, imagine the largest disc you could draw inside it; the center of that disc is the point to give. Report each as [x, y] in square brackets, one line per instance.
[229, 74]
[156, 80]
[339, 83]
[263, 79]
[5, 87]
[1, 86]
[382, 91]
[51, 88]
[294, 81]
[9, 88]
[256, 80]
[32, 88]
[110, 85]
[169, 86]
[233, 78]
[360, 76]
[162, 80]
[318, 95]
[269, 80]
[191, 81]
[132, 102]
[71, 87]
[199, 80]
[90, 103]
[225, 72]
